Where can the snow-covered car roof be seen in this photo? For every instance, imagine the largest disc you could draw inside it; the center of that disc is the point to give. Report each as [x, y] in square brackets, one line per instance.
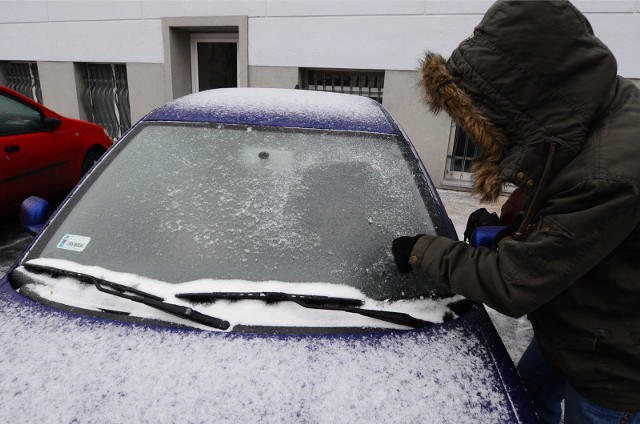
[281, 108]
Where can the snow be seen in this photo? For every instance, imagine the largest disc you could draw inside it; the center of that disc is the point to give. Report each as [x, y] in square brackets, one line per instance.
[71, 292]
[266, 106]
[250, 101]
[54, 368]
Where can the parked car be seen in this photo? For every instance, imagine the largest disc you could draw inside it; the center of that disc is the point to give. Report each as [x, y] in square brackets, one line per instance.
[43, 153]
[229, 260]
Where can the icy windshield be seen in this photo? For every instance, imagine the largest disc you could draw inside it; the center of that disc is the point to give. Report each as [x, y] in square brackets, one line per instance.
[179, 203]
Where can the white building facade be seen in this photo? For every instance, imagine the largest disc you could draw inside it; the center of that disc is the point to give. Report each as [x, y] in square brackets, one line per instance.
[147, 52]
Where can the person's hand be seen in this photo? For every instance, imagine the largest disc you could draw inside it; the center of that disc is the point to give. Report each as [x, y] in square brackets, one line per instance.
[401, 248]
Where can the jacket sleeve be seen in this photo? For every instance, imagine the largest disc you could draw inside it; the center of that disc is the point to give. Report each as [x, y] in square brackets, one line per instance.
[574, 232]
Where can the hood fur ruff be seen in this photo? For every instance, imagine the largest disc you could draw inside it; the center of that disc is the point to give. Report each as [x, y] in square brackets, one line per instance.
[442, 93]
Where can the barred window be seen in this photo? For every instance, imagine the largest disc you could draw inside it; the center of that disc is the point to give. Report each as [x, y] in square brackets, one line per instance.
[363, 83]
[23, 77]
[106, 97]
[462, 151]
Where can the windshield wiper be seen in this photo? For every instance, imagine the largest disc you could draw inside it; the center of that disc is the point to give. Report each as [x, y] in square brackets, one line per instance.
[134, 295]
[312, 302]
[271, 297]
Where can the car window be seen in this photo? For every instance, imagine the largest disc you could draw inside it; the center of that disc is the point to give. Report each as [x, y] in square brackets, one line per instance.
[180, 203]
[17, 117]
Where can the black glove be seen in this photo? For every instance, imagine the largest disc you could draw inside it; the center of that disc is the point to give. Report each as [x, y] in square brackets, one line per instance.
[401, 248]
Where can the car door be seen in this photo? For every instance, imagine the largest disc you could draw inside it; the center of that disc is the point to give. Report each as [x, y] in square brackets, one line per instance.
[36, 157]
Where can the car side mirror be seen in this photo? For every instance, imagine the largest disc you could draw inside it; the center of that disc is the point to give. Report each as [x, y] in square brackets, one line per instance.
[485, 236]
[51, 123]
[34, 213]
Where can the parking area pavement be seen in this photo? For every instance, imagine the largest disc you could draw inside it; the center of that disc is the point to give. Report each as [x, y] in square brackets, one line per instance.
[13, 241]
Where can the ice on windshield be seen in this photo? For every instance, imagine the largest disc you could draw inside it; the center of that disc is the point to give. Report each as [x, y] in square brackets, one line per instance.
[183, 203]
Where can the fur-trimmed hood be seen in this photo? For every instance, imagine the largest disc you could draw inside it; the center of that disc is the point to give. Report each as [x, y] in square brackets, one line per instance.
[532, 74]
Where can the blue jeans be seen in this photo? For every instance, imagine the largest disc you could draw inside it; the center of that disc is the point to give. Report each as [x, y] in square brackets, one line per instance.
[545, 387]
[578, 410]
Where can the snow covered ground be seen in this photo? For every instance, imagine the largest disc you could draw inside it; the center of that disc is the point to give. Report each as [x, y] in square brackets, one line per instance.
[515, 333]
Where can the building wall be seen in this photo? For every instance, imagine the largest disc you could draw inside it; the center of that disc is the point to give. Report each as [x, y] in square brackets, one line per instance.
[428, 133]
[277, 39]
[274, 76]
[373, 34]
[61, 88]
[147, 88]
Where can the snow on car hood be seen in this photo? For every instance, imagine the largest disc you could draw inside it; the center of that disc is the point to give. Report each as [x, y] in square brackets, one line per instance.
[61, 367]
[58, 366]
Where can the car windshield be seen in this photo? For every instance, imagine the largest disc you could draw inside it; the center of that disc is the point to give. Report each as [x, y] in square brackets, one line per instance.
[183, 202]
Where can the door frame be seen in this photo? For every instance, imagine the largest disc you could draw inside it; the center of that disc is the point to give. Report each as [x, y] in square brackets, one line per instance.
[176, 40]
[210, 38]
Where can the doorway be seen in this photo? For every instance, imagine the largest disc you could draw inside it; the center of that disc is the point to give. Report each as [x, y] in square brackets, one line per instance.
[214, 61]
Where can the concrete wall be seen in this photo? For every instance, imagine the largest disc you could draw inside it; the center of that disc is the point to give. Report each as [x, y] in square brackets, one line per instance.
[428, 133]
[372, 34]
[147, 88]
[273, 76]
[61, 88]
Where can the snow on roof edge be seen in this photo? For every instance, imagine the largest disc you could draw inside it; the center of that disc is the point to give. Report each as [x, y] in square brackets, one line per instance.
[279, 107]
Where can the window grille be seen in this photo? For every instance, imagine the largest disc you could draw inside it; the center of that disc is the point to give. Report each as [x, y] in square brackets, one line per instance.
[363, 83]
[23, 77]
[462, 152]
[106, 97]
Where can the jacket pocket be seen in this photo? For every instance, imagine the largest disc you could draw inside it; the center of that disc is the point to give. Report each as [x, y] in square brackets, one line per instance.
[552, 227]
[536, 258]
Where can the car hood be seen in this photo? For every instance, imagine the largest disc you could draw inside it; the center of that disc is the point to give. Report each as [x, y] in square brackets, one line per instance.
[62, 367]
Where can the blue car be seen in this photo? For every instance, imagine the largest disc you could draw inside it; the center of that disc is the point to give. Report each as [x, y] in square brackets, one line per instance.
[229, 260]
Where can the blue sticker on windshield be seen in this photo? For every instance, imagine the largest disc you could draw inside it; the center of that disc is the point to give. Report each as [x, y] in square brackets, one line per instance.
[74, 242]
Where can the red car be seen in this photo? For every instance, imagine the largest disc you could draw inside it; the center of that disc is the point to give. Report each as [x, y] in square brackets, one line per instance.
[42, 153]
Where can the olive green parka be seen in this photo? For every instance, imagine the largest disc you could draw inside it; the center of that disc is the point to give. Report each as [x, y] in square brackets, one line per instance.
[540, 96]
